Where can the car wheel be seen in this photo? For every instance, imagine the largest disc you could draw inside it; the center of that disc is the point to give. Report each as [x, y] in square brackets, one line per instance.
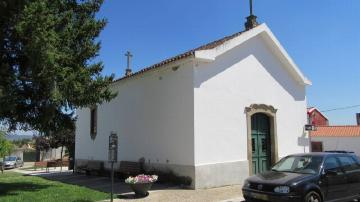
[313, 196]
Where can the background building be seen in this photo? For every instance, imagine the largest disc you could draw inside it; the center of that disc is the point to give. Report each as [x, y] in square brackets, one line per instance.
[316, 118]
[332, 138]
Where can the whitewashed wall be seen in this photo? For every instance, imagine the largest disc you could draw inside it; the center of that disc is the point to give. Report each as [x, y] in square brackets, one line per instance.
[339, 143]
[195, 116]
[152, 115]
[248, 74]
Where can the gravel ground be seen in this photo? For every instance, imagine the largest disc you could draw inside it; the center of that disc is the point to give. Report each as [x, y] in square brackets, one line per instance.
[223, 194]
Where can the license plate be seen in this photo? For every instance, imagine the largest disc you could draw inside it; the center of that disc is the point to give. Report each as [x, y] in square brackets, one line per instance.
[259, 196]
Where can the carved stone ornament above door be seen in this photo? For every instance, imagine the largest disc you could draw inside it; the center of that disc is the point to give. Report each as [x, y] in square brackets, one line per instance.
[262, 107]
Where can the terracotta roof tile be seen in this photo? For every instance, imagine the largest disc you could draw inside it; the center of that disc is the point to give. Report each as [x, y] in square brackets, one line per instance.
[336, 131]
[184, 55]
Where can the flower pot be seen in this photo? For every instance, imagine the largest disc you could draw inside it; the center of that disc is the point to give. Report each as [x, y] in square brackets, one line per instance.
[141, 189]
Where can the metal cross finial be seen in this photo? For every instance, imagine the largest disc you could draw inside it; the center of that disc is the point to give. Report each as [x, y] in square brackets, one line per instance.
[128, 68]
[251, 7]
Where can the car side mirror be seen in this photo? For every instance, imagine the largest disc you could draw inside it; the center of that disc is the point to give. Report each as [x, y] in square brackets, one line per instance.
[331, 172]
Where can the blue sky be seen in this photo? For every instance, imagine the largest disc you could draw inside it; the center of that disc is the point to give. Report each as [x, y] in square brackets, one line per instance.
[323, 38]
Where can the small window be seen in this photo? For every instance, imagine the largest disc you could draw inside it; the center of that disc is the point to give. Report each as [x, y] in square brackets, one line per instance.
[93, 122]
[253, 145]
[263, 145]
[316, 146]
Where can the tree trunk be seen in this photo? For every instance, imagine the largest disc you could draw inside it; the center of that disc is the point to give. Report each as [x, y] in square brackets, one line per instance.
[42, 155]
[61, 157]
[2, 167]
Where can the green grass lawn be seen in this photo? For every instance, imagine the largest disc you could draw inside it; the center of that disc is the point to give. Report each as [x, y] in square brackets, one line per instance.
[15, 187]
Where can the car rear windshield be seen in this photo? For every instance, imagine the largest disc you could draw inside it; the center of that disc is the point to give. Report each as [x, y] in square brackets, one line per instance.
[10, 158]
[299, 164]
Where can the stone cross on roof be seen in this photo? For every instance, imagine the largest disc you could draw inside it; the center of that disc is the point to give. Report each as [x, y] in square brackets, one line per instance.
[128, 68]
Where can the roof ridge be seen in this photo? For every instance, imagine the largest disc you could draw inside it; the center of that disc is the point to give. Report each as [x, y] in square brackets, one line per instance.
[339, 126]
[185, 54]
[218, 42]
[337, 131]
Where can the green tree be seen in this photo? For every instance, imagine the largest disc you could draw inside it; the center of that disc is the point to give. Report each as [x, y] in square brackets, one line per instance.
[64, 137]
[48, 65]
[42, 145]
[6, 147]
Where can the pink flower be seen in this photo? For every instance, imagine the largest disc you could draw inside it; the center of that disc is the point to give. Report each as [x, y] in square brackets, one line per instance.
[141, 179]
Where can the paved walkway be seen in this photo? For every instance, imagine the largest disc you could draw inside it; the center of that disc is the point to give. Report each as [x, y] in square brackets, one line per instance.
[159, 192]
[222, 194]
[95, 182]
[40, 171]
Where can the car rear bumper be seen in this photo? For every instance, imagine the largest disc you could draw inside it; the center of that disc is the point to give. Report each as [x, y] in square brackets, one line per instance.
[267, 196]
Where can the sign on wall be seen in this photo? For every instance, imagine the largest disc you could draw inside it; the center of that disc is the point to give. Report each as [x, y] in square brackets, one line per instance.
[310, 127]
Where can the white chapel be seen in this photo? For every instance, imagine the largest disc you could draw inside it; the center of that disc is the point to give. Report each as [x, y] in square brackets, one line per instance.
[216, 114]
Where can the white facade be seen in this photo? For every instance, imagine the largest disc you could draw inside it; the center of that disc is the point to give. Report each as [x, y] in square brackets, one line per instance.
[226, 86]
[339, 143]
[152, 115]
[189, 115]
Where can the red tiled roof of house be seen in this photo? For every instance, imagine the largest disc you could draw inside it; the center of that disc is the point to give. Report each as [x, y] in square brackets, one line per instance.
[310, 109]
[184, 55]
[336, 131]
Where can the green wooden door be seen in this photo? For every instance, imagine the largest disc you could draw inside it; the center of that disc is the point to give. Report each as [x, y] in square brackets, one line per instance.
[260, 142]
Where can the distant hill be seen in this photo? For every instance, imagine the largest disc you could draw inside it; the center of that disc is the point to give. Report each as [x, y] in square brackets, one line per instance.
[18, 137]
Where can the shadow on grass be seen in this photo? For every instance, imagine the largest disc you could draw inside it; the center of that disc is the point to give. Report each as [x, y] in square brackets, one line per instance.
[11, 188]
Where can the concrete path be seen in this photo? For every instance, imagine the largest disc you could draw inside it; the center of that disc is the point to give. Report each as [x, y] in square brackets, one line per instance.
[159, 192]
[28, 169]
[221, 194]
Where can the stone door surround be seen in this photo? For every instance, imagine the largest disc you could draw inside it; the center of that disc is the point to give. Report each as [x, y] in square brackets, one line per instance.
[270, 111]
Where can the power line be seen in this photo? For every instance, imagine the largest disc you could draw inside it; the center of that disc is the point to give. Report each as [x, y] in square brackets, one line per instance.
[341, 108]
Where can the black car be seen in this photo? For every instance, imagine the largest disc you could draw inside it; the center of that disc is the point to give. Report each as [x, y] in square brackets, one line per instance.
[311, 177]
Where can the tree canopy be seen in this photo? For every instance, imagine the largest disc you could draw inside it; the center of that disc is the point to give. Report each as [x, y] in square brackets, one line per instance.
[48, 65]
[42, 143]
